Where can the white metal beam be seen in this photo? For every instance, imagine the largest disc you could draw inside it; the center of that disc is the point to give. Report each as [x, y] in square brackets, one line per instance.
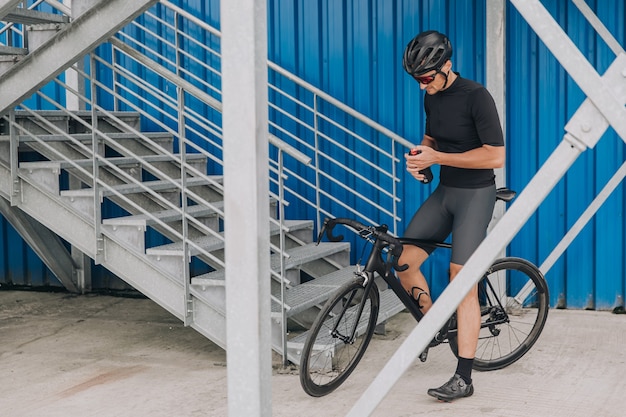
[46, 244]
[496, 55]
[496, 79]
[599, 26]
[605, 103]
[7, 6]
[571, 58]
[595, 205]
[504, 231]
[587, 121]
[246, 204]
[66, 47]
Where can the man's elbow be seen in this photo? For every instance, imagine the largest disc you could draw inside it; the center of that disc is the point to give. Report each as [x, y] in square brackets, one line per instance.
[500, 160]
[498, 156]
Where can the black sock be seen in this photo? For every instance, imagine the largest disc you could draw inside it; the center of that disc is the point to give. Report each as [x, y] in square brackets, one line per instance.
[464, 369]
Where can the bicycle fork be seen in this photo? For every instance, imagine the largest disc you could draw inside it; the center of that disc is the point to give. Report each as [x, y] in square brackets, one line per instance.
[349, 339]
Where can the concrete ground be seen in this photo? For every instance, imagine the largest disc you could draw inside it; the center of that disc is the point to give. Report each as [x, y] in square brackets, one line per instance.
[94, 355]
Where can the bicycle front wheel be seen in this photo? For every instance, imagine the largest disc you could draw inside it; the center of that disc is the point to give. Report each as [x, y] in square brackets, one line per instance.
[338, 338]
[514, 305]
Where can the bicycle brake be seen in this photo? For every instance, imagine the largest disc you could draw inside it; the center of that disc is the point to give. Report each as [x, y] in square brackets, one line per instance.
[359, 272]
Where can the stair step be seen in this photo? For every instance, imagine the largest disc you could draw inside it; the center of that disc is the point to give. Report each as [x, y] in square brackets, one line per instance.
[390, 305]
[165, 216]
[83, 114]
[317, 291]
[34, 17]
[121, 160]
[297, 256]
[125, 189]
[11, 50]
[212, 243]
[67, 121]
[87, 137]
[7, 6]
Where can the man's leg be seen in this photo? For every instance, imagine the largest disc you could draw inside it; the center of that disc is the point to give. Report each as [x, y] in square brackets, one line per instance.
[468, 325]
[412, 278]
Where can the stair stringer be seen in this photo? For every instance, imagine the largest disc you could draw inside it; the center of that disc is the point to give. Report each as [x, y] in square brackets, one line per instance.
[61, 51]
[6, 6]
[45, 243]
[143, 272]
[137, 269]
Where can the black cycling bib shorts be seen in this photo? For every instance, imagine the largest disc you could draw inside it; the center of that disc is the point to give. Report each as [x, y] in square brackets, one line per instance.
[464, 212]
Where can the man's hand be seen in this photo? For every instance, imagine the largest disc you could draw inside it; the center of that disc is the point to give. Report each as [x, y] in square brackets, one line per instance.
[418, 161]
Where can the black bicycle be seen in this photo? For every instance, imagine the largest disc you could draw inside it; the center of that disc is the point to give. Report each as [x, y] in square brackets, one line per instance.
[513, 296]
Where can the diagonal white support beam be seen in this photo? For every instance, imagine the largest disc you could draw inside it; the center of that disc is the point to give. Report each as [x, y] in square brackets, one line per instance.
[588, 123]
[599, 26]
[82, 35]
[605, 103]
[504, 231]
[45, 243]
[7, 6]
[584, 218]
[569, 56]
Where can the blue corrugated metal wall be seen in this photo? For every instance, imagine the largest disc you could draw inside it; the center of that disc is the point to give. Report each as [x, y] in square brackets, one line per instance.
[352, 49]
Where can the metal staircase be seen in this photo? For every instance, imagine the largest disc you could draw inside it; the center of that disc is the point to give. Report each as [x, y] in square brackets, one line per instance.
[144, 203]
[120, 243]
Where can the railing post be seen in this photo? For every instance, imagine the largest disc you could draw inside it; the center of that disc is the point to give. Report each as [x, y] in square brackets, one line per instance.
[116, 100]
[318, 203]
[14, 144]
[97, 204]
[188, 307]
[394, 185]
[281, 225]
[177, 40]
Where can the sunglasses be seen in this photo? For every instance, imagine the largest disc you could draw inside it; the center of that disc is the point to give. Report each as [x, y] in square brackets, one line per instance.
[427, 79]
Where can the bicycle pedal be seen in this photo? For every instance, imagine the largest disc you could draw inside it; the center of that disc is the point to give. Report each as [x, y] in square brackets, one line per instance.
[424, 355]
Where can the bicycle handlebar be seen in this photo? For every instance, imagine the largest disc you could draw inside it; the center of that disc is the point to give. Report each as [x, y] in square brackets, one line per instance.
[378, 232]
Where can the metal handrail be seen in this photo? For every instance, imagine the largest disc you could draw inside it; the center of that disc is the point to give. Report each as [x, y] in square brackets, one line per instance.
[10, 26]
[343, 107]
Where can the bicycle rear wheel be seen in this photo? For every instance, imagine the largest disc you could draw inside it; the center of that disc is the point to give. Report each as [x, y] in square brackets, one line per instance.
[514, 306]
[330, 354]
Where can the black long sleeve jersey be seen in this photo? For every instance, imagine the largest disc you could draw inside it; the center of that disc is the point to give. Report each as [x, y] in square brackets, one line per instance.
[460, 118]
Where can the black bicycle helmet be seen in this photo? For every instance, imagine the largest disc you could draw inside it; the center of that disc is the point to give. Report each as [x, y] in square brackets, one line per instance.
[426, 52]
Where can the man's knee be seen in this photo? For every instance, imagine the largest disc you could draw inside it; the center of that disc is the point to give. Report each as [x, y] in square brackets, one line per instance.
[454, 270]
[412, 256]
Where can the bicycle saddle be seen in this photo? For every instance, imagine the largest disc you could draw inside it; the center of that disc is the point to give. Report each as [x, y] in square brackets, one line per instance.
[505, 194]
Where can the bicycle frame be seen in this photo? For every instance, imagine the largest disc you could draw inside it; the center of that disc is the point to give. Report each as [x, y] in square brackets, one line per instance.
[376, 264]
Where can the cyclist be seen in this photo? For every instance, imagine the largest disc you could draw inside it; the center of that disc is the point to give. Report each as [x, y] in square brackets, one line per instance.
[463, 135]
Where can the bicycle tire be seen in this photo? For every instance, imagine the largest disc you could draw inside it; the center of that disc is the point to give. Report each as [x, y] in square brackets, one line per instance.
[502, 344]
[326, 360]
